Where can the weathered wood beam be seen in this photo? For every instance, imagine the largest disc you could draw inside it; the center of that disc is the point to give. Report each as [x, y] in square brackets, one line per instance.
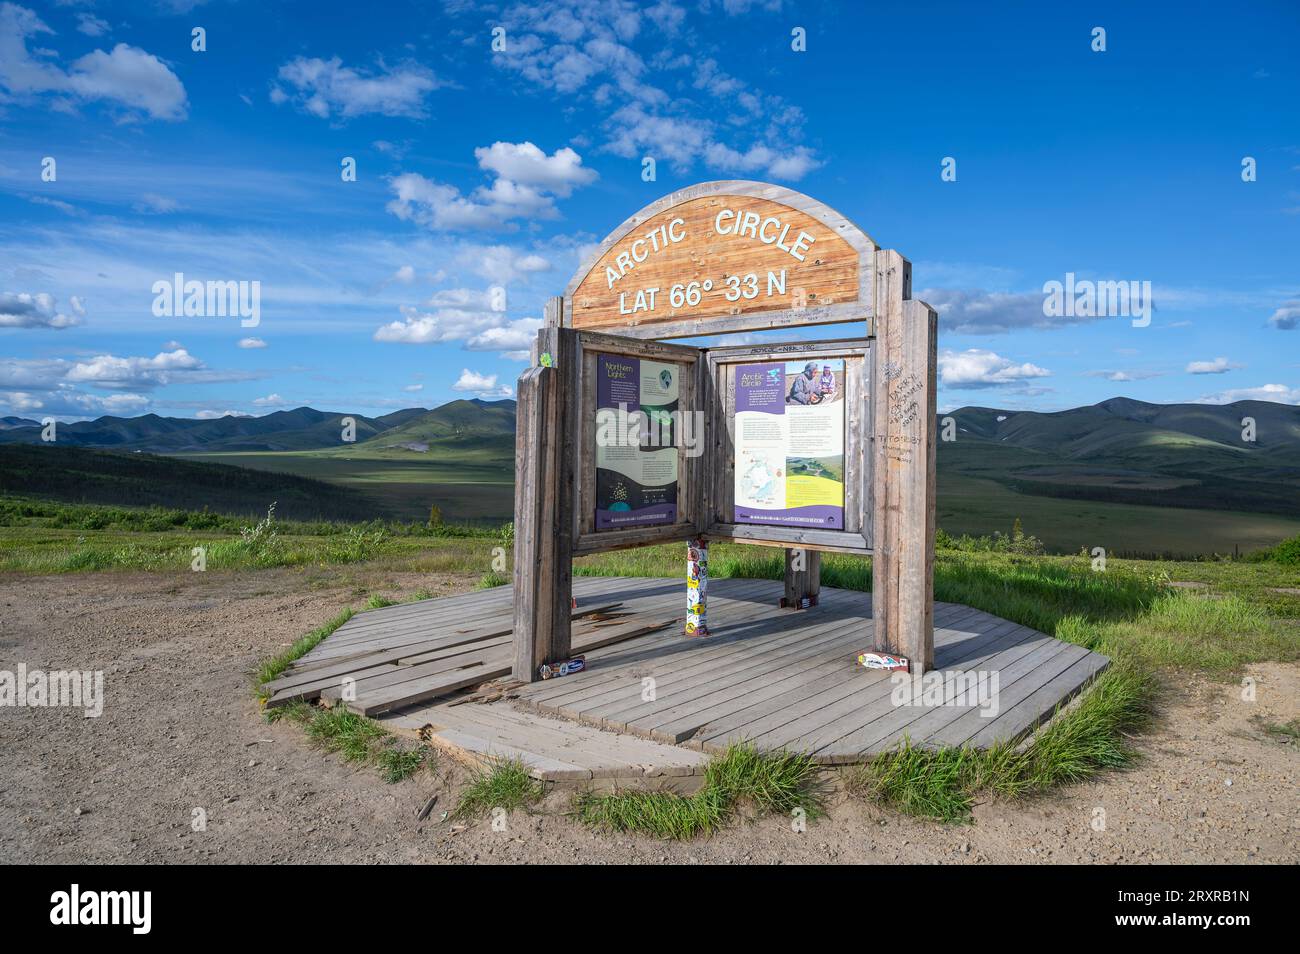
[803, 575]
[545, 442]
[903, 487]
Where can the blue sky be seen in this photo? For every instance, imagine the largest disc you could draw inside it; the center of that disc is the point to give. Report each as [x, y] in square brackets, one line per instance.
[479, 170]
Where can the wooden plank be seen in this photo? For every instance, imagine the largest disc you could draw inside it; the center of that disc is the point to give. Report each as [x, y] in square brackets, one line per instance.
[842, 715]
[1037, 706]
[530, 398]
[903, 465]
[585, 470]
[702, 677]
[604, 541]
[604, 754]
[856, 428]
[539, 766]
[744, 623]
[367, 687]
[696, 668]
[430, 687]
[592, 681]
[544, 460]
[785, 707]
[798, 684]
[928, 725]
[684, 719]
[308, 683]
[880, 724]
[832, 541]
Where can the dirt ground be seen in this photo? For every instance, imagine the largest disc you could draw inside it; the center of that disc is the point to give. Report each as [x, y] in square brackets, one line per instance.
[181, 731]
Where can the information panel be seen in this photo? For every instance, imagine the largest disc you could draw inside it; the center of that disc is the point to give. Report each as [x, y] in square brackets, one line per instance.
[789, 444]
[636, 453]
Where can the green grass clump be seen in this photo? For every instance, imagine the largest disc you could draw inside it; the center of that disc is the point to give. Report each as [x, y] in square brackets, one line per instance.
[1286, 553]
[379, 601]
[274, 667]
[355, 738]
[1190, 630]
[397, 764]
[1081, 741]
[344, 733]
[492, 579]
[505, 784]
[777, 783]
[658, 814]
[1282, 731]
[919, 782]
[771, 784]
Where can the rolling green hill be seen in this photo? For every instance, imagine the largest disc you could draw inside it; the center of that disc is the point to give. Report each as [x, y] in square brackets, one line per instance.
[136, 479]
[1125, 451]
[473, 430]
[303, 428]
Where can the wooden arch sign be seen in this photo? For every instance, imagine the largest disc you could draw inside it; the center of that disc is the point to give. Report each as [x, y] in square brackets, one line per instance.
[712, 259]
[724, 257]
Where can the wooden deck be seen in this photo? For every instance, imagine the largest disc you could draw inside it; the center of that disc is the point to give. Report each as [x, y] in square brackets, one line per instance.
[780, 679]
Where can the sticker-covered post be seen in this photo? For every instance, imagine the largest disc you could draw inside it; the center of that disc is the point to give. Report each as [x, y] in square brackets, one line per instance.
[903, 486]
[697, 587]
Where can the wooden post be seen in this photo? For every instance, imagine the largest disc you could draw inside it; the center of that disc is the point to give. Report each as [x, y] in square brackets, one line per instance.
[545, 441]
[903, 485]
[803, 576]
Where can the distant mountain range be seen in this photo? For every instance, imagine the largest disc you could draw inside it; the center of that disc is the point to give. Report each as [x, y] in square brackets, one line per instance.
[1119, 427]
[1060, 471]
[1243, 456]
[1126, 427]
[301, 429]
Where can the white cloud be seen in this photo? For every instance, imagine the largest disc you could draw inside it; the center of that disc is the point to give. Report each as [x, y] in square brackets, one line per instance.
[252, 343]
[132, 373]
[502, 264]
[71, 403]
[479, 299]
[271, 400]
[413, 387]
[637, 131]
[150, 203]
[1278, 393]
[21, 310]
[91, 25]
[522, 162]
[67, 208]
[590, 48]
[327, 88]
[974, 311]
[440, 325]
[517, 336]
[482, 385]
[1287, 316]
[1123, 376]
[1217, 366]
[525, 184]
[111, 372]
[214, 415]
[977, 368]
[788, 163]
[126, 76]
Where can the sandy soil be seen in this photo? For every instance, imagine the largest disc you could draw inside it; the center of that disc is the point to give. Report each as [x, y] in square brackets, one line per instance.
[181, 731]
